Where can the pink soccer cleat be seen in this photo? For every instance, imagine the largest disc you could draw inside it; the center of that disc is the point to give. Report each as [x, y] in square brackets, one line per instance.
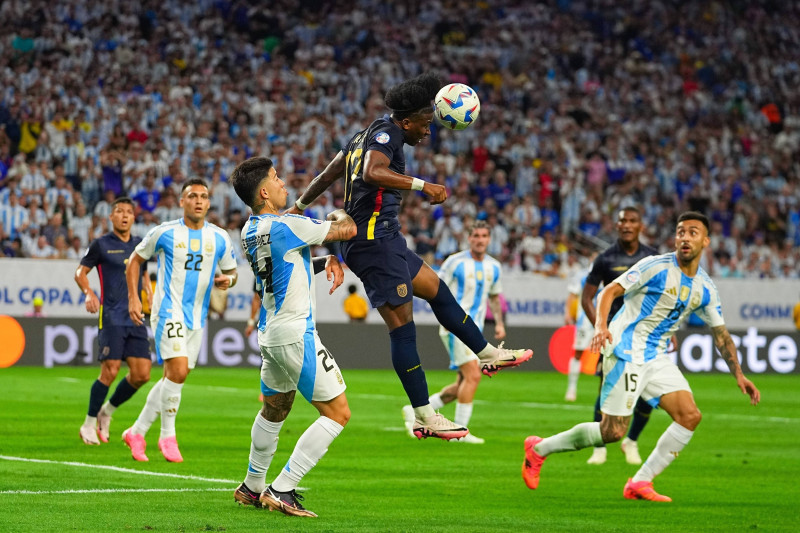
[169, 448]
[136, 443]
[532, 464]
[643, 490]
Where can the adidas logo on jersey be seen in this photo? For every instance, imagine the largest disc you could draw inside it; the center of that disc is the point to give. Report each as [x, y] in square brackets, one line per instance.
[672, 291]
[181, 245]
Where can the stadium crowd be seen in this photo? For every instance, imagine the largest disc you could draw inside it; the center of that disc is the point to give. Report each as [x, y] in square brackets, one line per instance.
[586, 107]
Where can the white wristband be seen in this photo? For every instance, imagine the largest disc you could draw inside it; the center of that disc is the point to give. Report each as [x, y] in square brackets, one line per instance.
[300, 205]
[417, 184]
[251, 322]
[232, 280]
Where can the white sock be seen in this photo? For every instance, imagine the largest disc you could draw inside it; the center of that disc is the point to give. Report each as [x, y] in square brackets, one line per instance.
[424, 411]
[436, 401]
[90, 421]
[574, 372]
[264, 442]
[150, 411]
[170, 403]
[488, 354]
[463, 413]
[669, 445]
[108, 408]
[576, 438]
[310, 448]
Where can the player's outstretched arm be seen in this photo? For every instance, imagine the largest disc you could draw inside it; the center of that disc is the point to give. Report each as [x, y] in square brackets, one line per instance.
[377, 172]
[343, 227]
[320, 184]
[604, 301]
[726, 347]
[92, 303]
[133, 272]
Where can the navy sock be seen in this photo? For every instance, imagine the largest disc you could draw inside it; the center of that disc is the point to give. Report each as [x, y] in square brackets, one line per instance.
[598, 415]
[641, 415]
[453, 317]
[405, 360]
[96, 397]
[122, 393]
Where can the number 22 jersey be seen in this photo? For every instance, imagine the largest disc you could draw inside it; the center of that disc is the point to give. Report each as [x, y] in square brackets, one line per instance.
[187, 260]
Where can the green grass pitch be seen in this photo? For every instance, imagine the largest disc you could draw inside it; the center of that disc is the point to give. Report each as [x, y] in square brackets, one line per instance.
[739, 473]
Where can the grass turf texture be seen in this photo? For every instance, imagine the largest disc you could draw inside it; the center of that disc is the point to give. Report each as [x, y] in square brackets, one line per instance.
[738, 473]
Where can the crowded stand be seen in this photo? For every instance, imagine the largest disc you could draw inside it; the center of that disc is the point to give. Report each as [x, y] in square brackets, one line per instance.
[586, 107]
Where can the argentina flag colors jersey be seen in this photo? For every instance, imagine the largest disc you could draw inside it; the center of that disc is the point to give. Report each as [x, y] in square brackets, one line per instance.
[471, 282]
[278, 250]
[658, 298]
[187, 260]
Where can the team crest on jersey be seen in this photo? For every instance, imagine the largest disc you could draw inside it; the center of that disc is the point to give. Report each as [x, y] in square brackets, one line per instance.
[382, 138]
[629, 402]
[479, 275]
[696, 300]
[402, 290]
[684, 292]
[176, 347]
[632, 276]
[209, 248]
[194, 245]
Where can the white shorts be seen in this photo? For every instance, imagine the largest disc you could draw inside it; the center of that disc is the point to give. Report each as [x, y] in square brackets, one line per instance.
[625, 382]
[583, 337]
[306, 366]
[458, 351]
[174, 339]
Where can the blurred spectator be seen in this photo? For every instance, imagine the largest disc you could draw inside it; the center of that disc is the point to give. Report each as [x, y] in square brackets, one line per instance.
[355, 306]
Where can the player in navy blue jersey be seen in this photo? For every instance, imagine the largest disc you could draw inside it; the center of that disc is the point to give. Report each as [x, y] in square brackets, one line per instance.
[118, 337]
[615, 260]
[373, 166]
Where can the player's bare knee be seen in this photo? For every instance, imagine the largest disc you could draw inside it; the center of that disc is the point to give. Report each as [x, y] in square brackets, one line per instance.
[690, 419]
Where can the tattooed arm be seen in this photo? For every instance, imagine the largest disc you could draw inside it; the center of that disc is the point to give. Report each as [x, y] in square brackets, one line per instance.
[724, 343]
[343, 227]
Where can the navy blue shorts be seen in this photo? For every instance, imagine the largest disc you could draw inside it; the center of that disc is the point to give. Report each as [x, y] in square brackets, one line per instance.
[385, 267]
[119, 342]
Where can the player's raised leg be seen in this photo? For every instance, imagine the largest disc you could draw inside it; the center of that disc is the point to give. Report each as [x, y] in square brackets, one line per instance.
[452, 316]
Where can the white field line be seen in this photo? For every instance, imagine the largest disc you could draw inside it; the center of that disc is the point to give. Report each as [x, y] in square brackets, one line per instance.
[111, 491]
[118, 469]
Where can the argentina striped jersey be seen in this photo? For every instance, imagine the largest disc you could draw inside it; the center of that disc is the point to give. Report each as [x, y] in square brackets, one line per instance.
[187, 260]
[658, 298]
[471, 282]
[278, 250]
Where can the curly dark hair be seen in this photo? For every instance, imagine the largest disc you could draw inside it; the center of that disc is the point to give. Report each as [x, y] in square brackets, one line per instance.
[413, 96]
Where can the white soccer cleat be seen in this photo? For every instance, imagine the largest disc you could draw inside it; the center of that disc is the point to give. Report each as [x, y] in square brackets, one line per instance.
[469, 438]
[599, 456]
[89, 435]
[408, 420]
[103, 425]
[631, 450]
[439, 427]
[505, 358]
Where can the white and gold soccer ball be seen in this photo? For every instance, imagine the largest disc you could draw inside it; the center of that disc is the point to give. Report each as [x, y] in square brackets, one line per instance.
[456, 106]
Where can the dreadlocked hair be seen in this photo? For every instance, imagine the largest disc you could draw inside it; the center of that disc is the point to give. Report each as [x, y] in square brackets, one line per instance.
[413, 96]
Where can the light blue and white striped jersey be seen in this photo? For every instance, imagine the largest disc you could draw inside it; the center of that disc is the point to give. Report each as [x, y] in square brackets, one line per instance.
[278, 250]
[659, 297]
[471, 282]
[187, 260]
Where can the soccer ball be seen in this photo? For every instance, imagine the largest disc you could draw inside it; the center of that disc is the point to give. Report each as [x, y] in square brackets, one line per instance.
[456, 106]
